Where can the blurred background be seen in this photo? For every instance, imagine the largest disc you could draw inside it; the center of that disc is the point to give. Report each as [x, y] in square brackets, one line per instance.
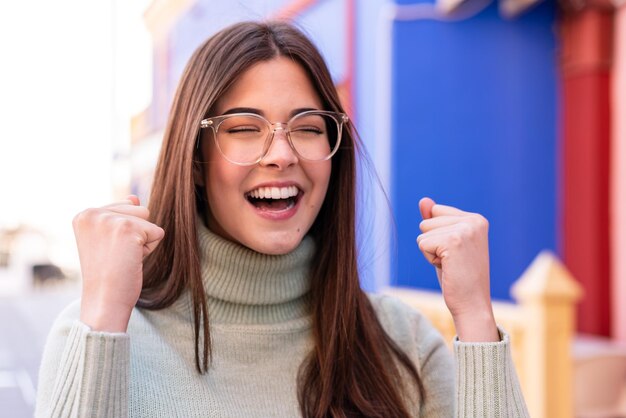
[515, 109]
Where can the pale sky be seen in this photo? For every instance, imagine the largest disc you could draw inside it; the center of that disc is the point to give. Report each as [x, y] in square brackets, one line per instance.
[72, 72]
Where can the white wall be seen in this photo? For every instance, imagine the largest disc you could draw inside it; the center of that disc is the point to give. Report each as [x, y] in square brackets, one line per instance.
[71, 74]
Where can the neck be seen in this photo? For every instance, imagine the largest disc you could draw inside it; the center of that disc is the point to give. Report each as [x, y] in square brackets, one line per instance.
[247, 287]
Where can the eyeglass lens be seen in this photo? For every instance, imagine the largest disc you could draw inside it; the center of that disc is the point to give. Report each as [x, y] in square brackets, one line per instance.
[245, 138]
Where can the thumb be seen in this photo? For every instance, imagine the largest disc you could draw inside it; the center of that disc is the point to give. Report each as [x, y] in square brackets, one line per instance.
[134, 199]
[426, 207]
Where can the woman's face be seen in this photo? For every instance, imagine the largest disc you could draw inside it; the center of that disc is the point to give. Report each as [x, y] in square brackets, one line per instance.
[275, 89]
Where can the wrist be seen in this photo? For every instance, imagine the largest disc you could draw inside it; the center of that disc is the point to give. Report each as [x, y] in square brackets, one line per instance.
[105, 317]
[478, 326]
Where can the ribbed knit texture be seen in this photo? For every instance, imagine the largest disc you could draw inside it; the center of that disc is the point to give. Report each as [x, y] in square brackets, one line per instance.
[260, 332]
[86, 387]
[486, 370]
[273, 288]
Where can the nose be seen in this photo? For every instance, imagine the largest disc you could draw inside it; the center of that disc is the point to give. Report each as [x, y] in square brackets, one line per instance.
[280, 154]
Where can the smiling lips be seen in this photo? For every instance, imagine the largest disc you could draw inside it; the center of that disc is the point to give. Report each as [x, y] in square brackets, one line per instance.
[273, 192]
[275, 200]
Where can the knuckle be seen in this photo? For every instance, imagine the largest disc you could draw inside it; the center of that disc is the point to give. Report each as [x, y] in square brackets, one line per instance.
[483, 222]
[456, 238]
[479, 225]
[76, 221]
[122, 225]
[479, 220]
[85, 217]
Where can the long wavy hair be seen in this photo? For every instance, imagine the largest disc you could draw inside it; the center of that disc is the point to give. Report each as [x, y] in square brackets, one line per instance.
[354, 368]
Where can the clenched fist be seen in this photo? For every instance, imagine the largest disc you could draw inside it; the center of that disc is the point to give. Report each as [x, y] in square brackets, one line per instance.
[456, 243]
[112, 242]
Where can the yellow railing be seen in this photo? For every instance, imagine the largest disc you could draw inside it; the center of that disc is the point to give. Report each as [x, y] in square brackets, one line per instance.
[541, 326]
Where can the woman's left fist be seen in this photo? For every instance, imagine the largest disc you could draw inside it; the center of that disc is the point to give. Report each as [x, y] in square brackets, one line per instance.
[456, 243]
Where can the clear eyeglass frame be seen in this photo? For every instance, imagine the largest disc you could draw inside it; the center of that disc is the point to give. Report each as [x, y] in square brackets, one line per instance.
[216, 121]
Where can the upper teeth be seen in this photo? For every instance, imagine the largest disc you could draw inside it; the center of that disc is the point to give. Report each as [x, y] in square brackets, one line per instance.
[274, 192]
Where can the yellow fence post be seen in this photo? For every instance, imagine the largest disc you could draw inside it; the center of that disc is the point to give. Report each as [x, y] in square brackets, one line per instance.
[547, 294]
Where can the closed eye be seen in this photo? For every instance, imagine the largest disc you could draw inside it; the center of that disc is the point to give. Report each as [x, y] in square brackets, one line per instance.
[308, 130]
[238, 129]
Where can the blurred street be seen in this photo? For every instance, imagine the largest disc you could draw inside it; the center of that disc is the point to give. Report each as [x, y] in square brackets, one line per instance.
[25, 320]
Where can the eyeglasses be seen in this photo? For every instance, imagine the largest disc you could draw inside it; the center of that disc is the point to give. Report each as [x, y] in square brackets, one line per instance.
[245, 138]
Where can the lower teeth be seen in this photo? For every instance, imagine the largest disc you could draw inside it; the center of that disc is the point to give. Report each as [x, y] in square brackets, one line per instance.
[277, 205]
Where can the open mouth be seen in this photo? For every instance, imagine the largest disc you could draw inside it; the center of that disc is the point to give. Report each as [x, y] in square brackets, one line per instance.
[274, 199]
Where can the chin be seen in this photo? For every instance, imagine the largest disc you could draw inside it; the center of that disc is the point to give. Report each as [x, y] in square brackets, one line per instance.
[275, 245]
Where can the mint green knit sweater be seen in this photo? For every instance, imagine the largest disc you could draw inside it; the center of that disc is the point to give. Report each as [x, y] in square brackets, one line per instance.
[261, 332]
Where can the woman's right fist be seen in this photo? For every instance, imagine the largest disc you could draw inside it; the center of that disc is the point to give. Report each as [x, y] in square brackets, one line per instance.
[112, 242]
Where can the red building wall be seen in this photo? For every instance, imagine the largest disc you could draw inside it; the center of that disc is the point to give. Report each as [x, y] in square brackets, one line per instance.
[586, 59]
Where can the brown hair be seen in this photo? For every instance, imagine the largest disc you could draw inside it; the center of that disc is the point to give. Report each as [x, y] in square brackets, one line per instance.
[352, 369]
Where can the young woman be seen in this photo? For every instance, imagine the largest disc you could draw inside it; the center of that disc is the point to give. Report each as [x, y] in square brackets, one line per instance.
[237, 293]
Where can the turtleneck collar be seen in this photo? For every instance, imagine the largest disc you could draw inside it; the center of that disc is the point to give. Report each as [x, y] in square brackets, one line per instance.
[247, 287]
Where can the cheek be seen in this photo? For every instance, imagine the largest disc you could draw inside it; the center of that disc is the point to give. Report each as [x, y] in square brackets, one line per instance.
[222, 183]
[320, 175]
[222, 192]
[215, 173]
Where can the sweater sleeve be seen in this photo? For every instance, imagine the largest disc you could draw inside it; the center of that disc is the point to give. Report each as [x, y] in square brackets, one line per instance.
[487, 385]
[477, 381]
[83, 373]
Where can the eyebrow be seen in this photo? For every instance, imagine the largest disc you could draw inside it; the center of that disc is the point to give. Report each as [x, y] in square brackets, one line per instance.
[260, 112]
